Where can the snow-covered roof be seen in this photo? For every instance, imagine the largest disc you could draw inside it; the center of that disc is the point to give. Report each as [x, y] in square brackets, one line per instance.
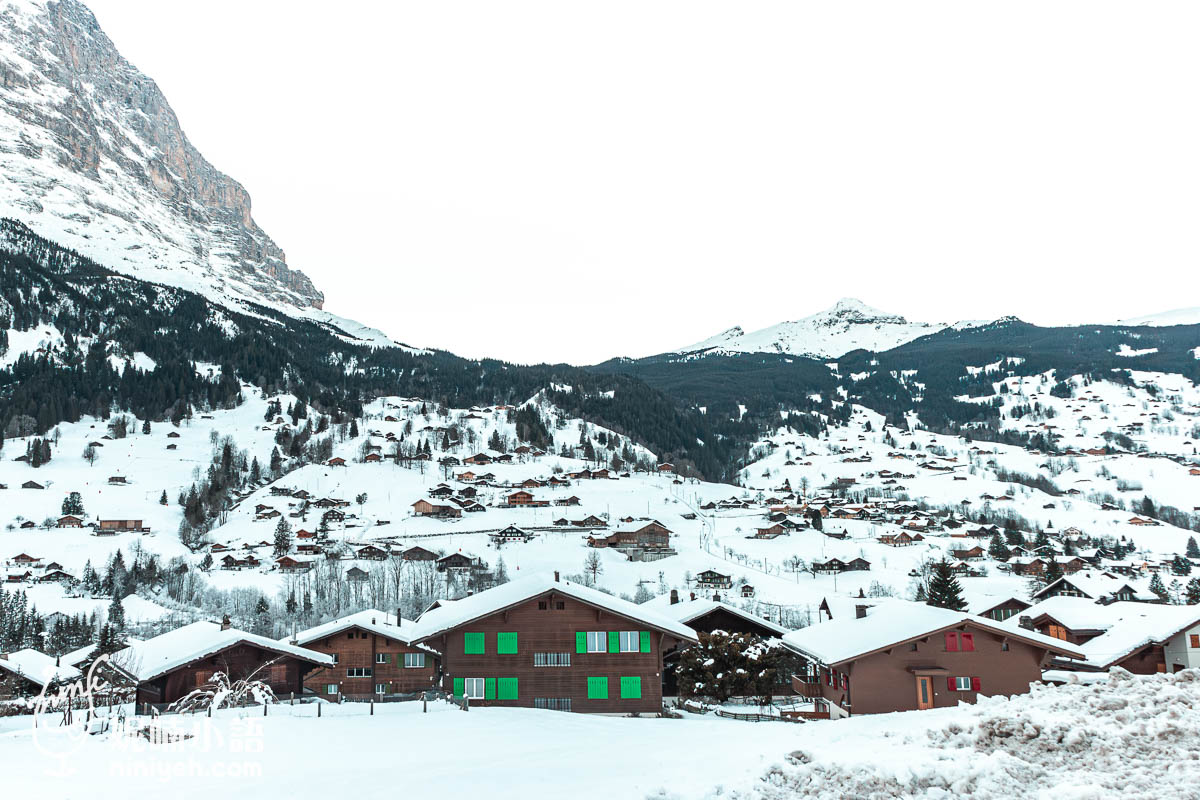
[38, 667]
[687, 610]
[154, 657]
[1076, 613]
[1096, 584]
[979, 601]
[371, 620]
[447, 616]
[1127, 626]
[893, 621]
[77, 657]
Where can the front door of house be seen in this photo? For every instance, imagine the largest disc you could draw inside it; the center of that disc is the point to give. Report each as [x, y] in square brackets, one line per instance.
[924, 691]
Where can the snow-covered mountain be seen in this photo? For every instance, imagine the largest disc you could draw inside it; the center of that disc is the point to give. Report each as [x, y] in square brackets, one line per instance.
[93, 157]
[849, 325]
[1179, 316]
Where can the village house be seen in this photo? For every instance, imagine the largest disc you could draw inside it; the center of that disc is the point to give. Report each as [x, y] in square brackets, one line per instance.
[115, 526]
[897, 655]
[168, 667]
[424, 508]
[1096, 586]
[545, 643]
[372, 657]
[510, 534]
[69, 521]
[416, 553]
[1143, 638]
[711, 579]
[25, 673]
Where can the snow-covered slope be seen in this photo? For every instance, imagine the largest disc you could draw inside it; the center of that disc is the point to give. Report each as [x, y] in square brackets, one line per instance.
[849, 325]
[93, 157]
[1179, 316]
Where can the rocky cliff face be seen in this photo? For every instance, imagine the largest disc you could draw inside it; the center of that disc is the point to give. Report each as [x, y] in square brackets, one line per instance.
[92, 156]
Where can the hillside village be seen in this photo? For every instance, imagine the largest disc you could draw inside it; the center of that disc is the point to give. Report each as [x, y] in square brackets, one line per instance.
[380, 524]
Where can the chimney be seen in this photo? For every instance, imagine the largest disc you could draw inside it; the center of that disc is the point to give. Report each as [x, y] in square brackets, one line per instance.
[692, 594]
[674, 596]
[556, 576]
[3, 656]
[860, 611]
[398, 617]
[1026, 622]
[225, 623]
[860, 592]
[717, 596]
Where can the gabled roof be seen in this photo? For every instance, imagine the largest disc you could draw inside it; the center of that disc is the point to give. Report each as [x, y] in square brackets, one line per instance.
[890, 622]
[37, 667]
[441, 619]
[1097, 584]
[377, 622]
[144, 661]
[1127, 626]
[688, 610]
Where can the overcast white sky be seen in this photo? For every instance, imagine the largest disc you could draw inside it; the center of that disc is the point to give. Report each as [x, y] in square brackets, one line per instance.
[574, 181]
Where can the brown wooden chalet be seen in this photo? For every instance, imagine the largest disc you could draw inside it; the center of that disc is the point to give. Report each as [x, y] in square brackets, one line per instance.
[545, 643]
[424, 508]
[901, 656]
[372, 657]
[121, 526]
[69, 521]
[167, 668]
[419, 554]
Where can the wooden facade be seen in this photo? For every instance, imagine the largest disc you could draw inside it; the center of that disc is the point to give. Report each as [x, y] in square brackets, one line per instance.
[554, 651]
[368, 662]
[285, 676]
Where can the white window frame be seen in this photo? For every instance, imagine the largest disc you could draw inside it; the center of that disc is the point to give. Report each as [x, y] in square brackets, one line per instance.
[381, 658]
[360, 672]
[630, 641]
[331, 688]
[597, 641]
[414, 660]
[381, 688]
[336, 658]
[476, 683]
[962, 684]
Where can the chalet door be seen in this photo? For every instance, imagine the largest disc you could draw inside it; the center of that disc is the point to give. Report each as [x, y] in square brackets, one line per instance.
[924, 691]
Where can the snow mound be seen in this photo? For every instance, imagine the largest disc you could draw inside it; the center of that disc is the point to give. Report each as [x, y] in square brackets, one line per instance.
[1128, 736]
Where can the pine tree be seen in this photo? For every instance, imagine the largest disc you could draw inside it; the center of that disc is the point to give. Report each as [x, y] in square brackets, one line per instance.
[353, 429]
[291, 605]
[944, 589]
[206, 562]
[1053, 571]
[1192, 592]
[116, 613]
[997, 550]
[162, 501]
[146, 426]
[1193, 550]
[73, 504]
[1157, 586]
[283, 538]
[261, 607]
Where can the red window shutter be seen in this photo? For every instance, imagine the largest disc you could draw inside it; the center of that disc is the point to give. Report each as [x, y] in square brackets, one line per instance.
[950, 684]
[968, 642]
[951, 642]
[975, 684]
[845, 682]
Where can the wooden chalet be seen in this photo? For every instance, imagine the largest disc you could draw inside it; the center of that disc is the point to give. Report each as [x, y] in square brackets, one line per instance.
[121, 526]
[711, 579]
[26, 673]
[167, 668]
[424, 508]
[418, 554]
[372, 657]
[546, 643]
[69, 521]
[900, 656]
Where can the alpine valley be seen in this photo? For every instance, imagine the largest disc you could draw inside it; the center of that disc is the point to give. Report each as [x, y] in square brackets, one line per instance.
[187, 434]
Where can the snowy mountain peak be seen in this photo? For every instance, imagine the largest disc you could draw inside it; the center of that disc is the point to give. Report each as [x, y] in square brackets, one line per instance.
[849, 324]
[1179, 316]
[93, 157]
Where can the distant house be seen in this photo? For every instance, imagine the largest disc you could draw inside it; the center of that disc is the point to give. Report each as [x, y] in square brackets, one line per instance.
[711, 579]
[419, 554]
[32, 485]
[117, 480]
[336, 461]
[372, 553]
[292, 565]
[69, 521]
[510, 534]
[424, 508]
[26, 673]
[356, 575]
[456, 562]
[114, 526]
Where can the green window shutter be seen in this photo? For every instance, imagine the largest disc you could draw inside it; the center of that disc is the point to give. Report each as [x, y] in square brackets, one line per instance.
[506, 643]
[614, 642]
[473, 644]
[631, 688]
[597, 688]
[580, 641]
[508, 689]
[489, 688]
[459, 691]
[645, 636]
